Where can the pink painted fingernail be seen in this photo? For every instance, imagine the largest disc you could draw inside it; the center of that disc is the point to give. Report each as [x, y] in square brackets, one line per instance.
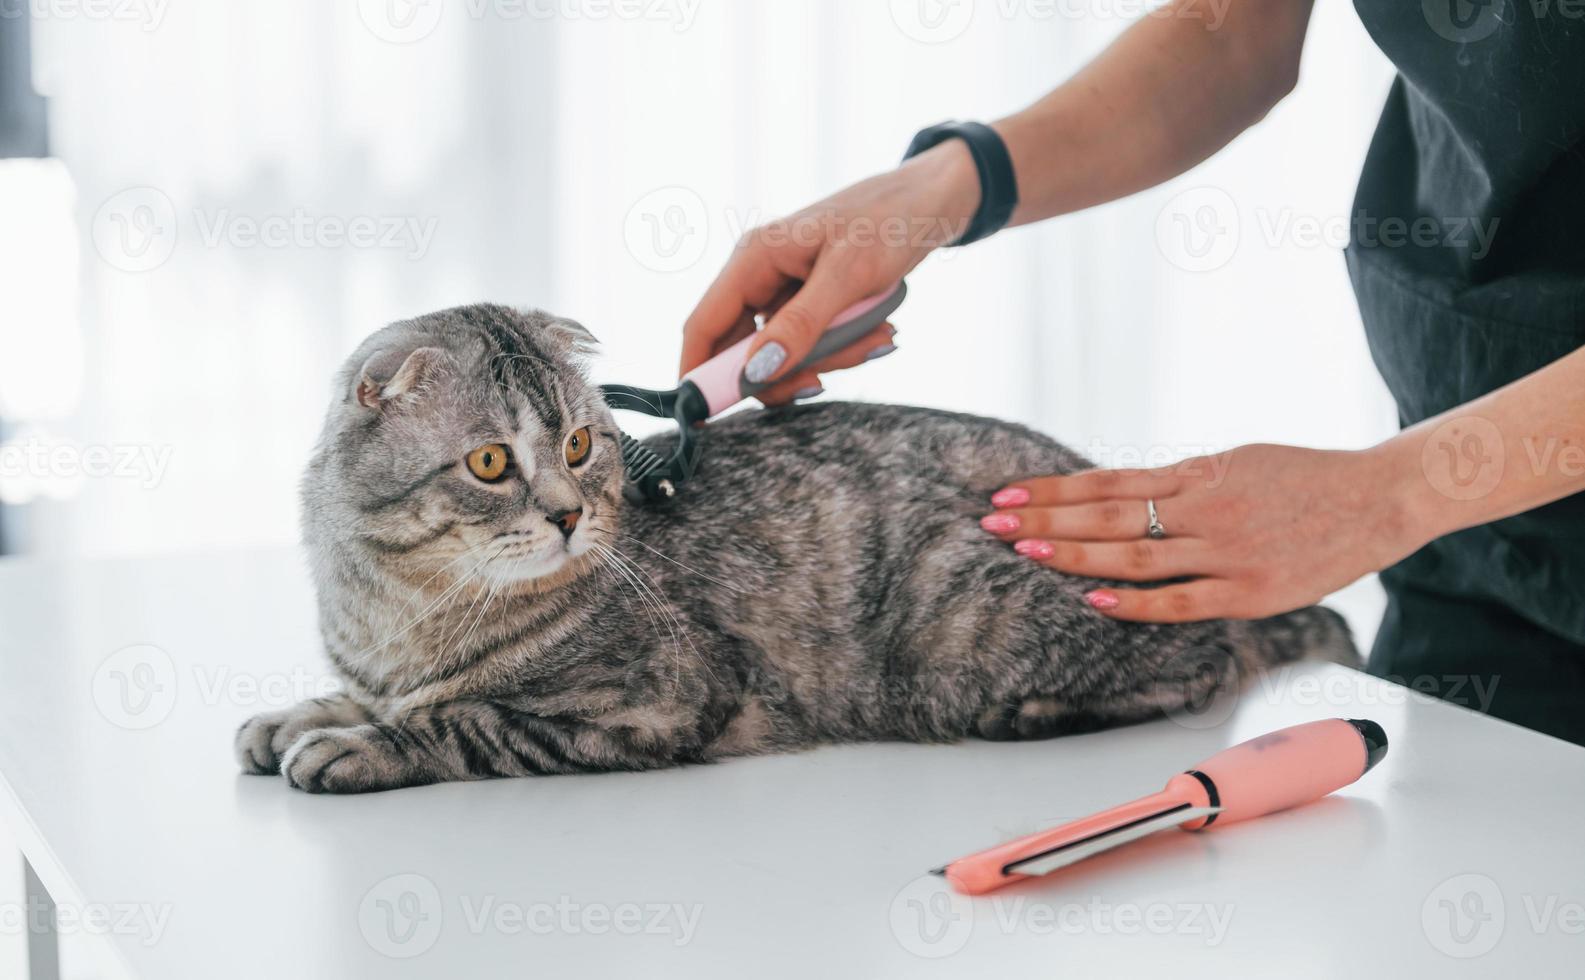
[1034, 548]
[1011, 497]
[1000, 523]
[1101, 599]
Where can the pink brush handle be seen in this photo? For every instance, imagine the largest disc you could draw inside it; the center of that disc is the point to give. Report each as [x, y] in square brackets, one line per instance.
[1283, 769]
[1287, 767]
[720, 379]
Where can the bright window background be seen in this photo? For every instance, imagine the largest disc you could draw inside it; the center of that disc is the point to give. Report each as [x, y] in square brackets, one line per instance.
[243, 190]
[565, 154]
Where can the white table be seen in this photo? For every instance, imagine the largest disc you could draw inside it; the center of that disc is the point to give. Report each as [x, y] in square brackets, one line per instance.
[1459, 856]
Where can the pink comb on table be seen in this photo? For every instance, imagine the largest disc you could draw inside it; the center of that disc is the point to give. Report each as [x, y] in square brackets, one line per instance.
[1279, 770]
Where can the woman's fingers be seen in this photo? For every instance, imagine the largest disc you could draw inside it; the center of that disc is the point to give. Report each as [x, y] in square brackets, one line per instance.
[804, 384]
[1109, 520]
[1090, 485]
[792, 331]
[755, 279]
[1186, 602]
[1143, 560]
[877, 343]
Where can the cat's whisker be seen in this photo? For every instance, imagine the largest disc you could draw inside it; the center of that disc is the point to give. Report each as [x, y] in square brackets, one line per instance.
[653, 605]
[408, 602]
[435, 663]
[608, 561]
[648, 583]
[661, 554]
[364, 655]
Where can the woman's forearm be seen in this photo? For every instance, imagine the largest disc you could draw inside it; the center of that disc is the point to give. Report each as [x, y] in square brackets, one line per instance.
[1172, 90]
[1504, 453]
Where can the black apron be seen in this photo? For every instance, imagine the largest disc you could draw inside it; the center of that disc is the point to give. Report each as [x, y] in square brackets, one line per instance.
[1468, 259]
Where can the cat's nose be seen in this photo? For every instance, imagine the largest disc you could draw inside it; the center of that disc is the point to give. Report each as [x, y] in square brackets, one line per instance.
[566, 520]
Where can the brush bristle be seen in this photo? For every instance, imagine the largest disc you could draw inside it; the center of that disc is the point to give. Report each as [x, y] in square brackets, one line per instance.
[638, 459]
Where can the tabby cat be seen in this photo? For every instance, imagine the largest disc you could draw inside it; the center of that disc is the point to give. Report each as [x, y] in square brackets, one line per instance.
[494, 607]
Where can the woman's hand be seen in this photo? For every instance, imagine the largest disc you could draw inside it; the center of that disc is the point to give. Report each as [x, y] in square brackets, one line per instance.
[1259, 530]
[802, 271]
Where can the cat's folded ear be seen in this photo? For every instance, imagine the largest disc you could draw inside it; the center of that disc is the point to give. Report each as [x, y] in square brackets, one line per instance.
[390, 375]
[571, 337]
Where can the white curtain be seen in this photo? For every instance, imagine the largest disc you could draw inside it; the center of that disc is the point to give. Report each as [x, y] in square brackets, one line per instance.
[599, 158]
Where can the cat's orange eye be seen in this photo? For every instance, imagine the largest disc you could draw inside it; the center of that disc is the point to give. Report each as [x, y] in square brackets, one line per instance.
[578, 446]
[488, 463]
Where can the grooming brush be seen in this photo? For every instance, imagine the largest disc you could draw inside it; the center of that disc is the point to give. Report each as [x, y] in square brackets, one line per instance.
[1286, 768]
[715, 386]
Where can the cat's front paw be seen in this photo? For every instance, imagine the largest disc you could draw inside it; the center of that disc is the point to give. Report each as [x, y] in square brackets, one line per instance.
[262, 740]
[346, 760]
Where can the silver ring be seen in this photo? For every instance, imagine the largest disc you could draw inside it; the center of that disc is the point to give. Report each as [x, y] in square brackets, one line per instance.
[1155, 531]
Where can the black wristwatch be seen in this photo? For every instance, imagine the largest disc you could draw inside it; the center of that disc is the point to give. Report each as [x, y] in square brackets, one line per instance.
[998, 185]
